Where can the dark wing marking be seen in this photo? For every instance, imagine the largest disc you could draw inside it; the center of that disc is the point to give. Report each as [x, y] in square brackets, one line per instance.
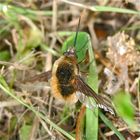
[82, 87]
[45, 76]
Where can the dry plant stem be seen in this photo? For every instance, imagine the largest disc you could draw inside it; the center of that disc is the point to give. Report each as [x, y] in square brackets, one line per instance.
[134, 84]
[131, 20]
[6, 63]
[10, 47]
[54, 29]
[48, 65]
[15, 38]
[54, 20]
[62, 136]
[33, 133]
[50, 106]
[102, 135]
[138, 93]
[2, 70]
[9, 103]
[40, 100]
[45, 127]
[93, 34]
[112, 132]
[77, 4]
[46, 103]
[79, 126]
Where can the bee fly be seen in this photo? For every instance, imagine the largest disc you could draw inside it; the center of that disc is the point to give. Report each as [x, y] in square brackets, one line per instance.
[67, 84]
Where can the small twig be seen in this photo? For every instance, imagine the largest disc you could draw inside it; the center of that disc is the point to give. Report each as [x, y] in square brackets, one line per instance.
[78, 4]
[15, 38]
[93, 34]
[79, 133]
[45, 127]
[134, 84]
[54, 20]
[50, 106]
[9, 103]
[112, 132]
[33, 133]
[102, 135]
[49, 55]
[138, 93]
[10, 47]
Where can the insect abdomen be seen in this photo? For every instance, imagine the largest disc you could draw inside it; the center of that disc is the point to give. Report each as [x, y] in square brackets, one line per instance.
[66, 90]
[65, 76]
[63, 80]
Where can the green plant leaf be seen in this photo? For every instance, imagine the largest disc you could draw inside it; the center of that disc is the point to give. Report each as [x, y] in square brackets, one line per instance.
[4, 55]
[92, 116]
[25, 132]
[83, 44]
[124, 107]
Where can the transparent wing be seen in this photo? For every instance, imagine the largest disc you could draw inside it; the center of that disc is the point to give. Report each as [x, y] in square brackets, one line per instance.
[84, 92]
[45, 76]
[35, 83]
[86, 100]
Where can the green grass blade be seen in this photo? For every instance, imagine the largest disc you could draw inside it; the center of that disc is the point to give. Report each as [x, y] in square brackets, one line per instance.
[5, 8]
[92, 116]
[113, 9]
[125, 108]
[97, 8]
[111, 126]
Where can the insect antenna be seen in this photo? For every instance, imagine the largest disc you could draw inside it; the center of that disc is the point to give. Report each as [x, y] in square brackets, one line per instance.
[76, 36]
[77, 30]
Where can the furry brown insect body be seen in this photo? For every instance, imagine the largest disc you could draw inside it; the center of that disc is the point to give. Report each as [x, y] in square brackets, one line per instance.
[63, 79]
[68, 86]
